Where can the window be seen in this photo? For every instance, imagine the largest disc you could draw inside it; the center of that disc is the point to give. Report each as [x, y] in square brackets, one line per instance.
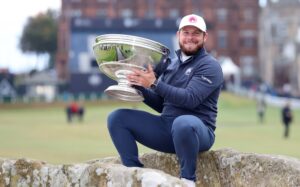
[102, 12]
[247, 65]
[248, 38]
[151, 9]
[75, 13]
[222, 39]
[126, 13]
[248, 42]
[279, 30]
[222, 15]
[81, 22]
[174, 13]
[248, 15]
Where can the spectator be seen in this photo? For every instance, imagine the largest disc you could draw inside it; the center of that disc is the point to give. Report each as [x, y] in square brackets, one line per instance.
[74, 109]
[261, 108]
[287, 118]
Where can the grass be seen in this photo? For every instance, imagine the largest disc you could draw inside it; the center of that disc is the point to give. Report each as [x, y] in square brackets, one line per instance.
[41, 131]
[239, 128]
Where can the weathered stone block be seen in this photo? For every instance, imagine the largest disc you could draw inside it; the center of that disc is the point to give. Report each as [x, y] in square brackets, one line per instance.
[224, 167]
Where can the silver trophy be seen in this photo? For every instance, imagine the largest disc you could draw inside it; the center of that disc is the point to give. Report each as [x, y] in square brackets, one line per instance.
[118, 54]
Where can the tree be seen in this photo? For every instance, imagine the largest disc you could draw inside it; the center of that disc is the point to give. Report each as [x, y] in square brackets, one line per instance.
[40, 35]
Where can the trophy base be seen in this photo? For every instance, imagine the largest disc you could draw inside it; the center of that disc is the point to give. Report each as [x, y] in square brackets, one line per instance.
[124, 93]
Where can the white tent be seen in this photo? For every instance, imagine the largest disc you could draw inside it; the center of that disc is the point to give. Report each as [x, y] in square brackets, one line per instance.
[231, 71]
[228, 66]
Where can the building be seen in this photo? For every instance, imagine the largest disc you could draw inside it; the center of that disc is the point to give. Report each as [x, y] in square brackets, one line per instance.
[232, 27]
[279, 46]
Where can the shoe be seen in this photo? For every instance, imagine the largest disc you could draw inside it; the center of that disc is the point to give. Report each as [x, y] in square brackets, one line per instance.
[188, 183]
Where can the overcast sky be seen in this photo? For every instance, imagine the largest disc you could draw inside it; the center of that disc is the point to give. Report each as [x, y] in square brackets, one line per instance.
[13, 17]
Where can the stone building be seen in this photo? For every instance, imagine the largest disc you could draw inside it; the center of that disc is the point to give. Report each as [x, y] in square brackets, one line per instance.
[279, 46]
[232, 28]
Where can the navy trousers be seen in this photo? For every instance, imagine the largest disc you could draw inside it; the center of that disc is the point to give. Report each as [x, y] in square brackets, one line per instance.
[185, 135]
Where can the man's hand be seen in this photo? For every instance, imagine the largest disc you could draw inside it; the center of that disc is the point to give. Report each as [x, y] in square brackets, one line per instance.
[144, 78]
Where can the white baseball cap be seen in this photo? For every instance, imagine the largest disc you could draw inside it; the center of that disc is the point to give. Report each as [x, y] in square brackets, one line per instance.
[193, 20]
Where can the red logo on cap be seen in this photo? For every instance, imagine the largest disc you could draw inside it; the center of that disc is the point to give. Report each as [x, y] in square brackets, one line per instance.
[193, 19]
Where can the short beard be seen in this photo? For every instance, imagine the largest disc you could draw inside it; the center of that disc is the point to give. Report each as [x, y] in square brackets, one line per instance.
[190, 53]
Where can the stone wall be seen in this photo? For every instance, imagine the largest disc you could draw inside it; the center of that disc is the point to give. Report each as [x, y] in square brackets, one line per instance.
[224, 167]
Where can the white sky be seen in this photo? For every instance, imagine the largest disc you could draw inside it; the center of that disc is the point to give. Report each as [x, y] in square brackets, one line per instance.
[13, 17]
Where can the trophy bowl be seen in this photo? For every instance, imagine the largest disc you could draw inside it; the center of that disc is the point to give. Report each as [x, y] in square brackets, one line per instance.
[118, 54]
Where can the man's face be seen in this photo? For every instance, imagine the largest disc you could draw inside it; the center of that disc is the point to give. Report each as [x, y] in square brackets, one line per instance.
[191, 39]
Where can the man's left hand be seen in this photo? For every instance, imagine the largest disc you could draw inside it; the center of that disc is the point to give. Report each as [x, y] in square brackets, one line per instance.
[144, 78]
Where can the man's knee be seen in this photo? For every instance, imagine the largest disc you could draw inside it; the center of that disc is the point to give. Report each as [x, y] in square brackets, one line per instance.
[183, 125]
[185, 120]
[116, 117]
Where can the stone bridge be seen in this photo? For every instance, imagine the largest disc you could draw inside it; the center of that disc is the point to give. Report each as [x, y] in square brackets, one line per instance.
[218, 168]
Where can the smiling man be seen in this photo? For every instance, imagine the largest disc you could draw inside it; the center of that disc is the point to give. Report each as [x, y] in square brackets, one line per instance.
[185, 93]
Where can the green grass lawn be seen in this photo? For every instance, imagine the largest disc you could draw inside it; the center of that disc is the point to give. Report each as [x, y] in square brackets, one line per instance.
[41, 131]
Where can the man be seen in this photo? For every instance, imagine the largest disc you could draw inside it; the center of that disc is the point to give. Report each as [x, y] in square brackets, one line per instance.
[261, 108]
[287, 118]
[74, 110]
[186, 95]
